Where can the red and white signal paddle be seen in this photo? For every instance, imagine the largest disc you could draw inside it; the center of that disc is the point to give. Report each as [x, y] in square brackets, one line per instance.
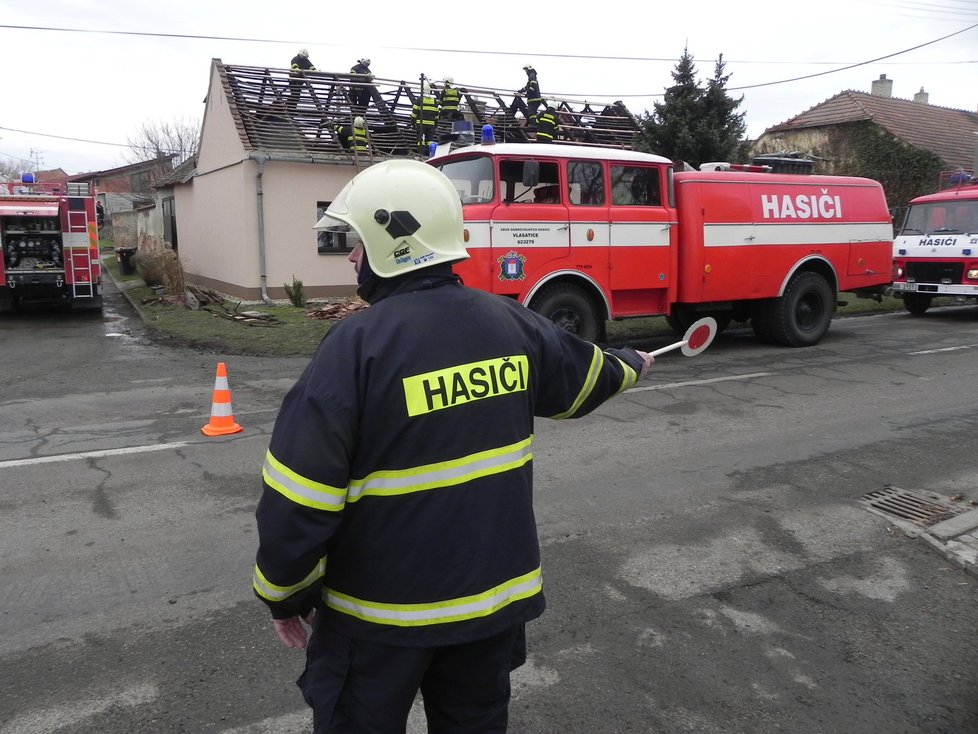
[695, 340]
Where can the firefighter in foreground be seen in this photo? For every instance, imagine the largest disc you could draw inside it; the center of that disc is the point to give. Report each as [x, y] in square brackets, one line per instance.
[396, 516]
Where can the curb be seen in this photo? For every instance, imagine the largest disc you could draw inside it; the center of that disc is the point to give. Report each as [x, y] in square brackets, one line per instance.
[957, 540]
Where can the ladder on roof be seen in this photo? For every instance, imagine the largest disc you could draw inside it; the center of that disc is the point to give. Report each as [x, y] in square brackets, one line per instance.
[82, 272]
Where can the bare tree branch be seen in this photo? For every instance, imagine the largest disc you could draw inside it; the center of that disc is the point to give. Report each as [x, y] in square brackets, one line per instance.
[179, 137]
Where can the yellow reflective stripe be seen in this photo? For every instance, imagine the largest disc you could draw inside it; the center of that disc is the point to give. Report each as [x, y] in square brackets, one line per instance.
[440, 612]
[629, 376]
[273, 592]
[597, 360]
[299, 489]
[442, 473]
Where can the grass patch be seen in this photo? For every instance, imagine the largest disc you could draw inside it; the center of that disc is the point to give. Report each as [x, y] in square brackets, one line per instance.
[298, 335]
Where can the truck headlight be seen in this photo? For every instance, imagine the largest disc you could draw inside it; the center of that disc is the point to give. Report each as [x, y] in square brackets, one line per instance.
[973, 274]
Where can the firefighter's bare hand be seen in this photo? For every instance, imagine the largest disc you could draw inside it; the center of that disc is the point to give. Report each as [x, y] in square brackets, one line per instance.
[291, 632]
[647, 361]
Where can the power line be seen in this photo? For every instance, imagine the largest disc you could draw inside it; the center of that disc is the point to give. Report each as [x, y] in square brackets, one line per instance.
[853, 66]
[191, 36]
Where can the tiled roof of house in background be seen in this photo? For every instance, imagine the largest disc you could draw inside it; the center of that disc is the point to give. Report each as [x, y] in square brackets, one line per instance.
[277, 112]
[127, 169]
[948, 133]
[181, 174]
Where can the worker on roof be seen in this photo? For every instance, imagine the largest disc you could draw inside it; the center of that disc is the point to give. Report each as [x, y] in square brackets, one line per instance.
[424, 117]
[360, 90]
[353, 137]
[300, 65]
[396, 514]
[448, 100]
[532, 92]
[548, 126]
[301, 62]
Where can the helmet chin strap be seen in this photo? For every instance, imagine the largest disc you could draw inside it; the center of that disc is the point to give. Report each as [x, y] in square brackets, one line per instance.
[367, 280]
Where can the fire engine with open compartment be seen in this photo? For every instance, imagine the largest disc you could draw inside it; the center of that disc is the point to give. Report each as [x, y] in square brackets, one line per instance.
[935, 253]
[49, 239]
[584, 234]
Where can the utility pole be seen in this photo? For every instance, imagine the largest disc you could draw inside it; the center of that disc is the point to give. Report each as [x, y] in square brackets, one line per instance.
[37, 158]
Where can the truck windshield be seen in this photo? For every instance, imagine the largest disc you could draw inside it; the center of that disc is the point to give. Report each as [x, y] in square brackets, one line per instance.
[958, 217]
[472, 178]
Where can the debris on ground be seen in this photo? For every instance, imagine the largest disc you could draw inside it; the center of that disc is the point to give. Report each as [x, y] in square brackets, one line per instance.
[197, 298]
[252, 318]
[337, 311]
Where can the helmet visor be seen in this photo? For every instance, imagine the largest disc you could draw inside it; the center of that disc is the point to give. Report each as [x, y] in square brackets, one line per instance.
[342, 232]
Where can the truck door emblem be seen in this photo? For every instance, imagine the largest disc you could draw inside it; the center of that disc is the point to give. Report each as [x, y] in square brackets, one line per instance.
[511, 266]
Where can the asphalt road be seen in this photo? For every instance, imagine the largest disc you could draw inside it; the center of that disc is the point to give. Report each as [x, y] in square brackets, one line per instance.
[708, 564]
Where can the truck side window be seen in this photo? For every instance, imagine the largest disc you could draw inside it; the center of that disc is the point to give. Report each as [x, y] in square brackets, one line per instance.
[635, 186]
[511, 182]
[586, 182]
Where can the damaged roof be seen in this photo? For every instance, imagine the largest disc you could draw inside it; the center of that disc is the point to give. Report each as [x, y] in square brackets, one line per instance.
[278, 110]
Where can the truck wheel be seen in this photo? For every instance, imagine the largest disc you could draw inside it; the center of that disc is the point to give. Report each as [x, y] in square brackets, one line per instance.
[916, 303]
[572, 309]
[802, 315]
[680, 319]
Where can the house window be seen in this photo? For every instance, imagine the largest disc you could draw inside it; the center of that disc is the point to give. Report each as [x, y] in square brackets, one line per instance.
[329, 243]
[139, 182]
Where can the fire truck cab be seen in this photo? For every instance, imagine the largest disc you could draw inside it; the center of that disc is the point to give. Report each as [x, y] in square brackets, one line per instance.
[584, 234]
[935, 253]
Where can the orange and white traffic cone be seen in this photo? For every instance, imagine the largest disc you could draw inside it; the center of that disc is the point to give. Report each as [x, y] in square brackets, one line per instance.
[222, 419]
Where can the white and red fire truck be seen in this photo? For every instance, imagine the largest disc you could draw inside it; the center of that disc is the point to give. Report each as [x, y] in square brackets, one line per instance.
[935, 253]
[49, 238]
[584, 234]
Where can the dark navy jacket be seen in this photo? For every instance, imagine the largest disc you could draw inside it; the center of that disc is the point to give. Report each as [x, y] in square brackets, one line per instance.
[398, 481]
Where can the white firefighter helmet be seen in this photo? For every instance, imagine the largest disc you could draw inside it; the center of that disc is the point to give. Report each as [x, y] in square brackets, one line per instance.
[365, 61]
[359, 122]
[425, 88]
[304, 52]
[407, 214]
[528, 67]
[552, 103]
[449, 80]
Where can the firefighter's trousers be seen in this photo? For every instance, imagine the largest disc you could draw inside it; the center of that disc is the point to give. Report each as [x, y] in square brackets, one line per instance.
[360, 687]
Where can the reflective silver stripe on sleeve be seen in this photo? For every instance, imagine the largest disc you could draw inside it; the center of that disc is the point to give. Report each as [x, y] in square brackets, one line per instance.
[273, 592]
[299, 489]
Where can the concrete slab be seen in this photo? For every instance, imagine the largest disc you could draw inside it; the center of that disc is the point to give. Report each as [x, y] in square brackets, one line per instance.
[955, 526]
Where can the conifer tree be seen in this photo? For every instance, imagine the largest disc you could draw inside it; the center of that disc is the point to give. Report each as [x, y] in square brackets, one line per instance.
[694, 124]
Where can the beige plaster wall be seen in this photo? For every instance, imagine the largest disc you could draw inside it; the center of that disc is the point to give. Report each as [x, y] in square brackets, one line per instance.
[217, 225]
[292, 191]
[220, 144]
[217, 229]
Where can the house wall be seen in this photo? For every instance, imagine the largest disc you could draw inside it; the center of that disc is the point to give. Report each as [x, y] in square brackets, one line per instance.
[216, 216]
[217, 225]
[220, 144]
[149, 223]
[124, 229]
[292, 191]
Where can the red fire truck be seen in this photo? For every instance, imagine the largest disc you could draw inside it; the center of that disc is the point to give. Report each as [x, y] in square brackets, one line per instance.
[584, 234]
[935, 253]
[49, 238]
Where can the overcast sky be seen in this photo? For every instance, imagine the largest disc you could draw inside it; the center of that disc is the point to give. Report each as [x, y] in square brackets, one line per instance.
[64, 89]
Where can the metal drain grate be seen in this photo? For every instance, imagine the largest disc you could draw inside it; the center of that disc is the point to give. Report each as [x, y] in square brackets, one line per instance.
[910, 506]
